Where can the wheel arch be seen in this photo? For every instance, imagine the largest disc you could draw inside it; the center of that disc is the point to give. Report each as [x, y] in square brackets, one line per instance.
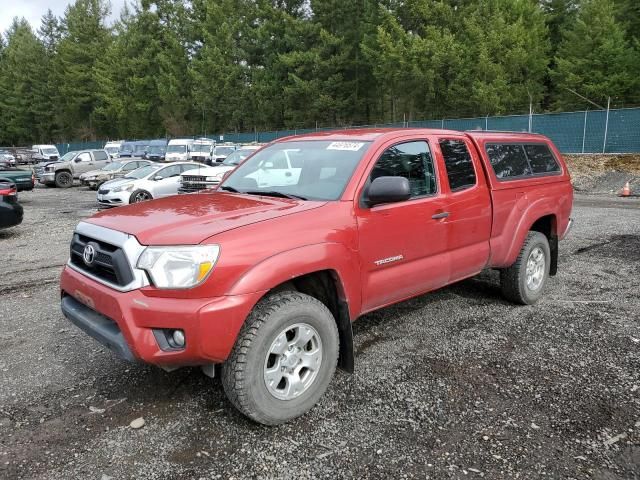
[323, 271]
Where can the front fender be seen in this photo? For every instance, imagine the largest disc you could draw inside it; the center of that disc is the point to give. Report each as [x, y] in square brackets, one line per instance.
[285, 266]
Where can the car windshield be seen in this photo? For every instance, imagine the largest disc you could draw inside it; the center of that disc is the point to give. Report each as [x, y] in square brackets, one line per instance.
[126, 148]
[315, 170]
[68, 156]
[224, 151]
[155, 149]
[237, 157]
[142, 172]
[112, 149]
[113, 166]
[176, 148]
[50, 151]
[198, 147]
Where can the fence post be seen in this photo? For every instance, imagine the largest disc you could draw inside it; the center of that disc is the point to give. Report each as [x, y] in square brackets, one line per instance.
[486, 122]
[606, 127]
[584, 128]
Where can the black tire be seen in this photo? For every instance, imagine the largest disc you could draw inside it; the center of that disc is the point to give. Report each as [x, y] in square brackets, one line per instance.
[64, 180]
[243, 374]
[140, 196]
[513, 280]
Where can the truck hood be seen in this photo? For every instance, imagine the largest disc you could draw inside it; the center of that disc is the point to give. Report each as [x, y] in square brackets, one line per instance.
[191, 219]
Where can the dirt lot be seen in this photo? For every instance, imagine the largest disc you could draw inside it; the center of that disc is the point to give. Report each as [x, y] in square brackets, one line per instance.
[604, 174]
[455, 384]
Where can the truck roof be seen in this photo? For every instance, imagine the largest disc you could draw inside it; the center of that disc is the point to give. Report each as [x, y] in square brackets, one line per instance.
[370, 134]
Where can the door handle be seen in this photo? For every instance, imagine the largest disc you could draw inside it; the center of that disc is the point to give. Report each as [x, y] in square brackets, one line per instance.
[439, 216]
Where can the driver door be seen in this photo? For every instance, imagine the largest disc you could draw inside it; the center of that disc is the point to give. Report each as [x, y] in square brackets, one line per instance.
[82, 163]
[403, 245]
[166, 181]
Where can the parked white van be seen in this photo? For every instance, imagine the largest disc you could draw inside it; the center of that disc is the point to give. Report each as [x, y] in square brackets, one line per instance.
[202, 150]
[45, 152]
[179, 150]
[113, 148]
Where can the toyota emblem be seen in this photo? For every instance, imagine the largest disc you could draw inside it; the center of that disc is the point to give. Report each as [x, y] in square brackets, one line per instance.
[89, 255]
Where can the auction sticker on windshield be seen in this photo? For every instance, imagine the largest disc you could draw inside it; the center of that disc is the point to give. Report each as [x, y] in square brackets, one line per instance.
[348, 146]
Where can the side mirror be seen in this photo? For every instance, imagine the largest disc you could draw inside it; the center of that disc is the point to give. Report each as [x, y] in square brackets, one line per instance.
[77, 159]
[158, 177]
[388, 190]
[268, 165]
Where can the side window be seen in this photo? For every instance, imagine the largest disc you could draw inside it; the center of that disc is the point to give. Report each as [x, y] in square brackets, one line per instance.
[100, 155]
[411, 160]
[188, 166]
[459, 164]
[130, 166]
[508, 160]
[84, 157]
[168, 172]
[541, 159]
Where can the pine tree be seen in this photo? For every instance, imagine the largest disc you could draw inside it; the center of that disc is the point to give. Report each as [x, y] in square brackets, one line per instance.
[85, 38]
[22, 85]
[595, 59]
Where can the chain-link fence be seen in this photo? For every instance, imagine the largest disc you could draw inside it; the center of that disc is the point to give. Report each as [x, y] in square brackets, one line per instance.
[591, 131]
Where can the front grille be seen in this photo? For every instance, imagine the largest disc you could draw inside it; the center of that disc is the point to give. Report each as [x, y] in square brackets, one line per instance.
[194, 178]
[110, 262]
[103, 191]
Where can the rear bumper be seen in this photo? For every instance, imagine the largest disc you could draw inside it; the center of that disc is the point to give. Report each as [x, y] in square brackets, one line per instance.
[125, 321]
[11, 214]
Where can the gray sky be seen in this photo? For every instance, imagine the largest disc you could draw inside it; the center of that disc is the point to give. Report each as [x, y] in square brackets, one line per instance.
[33, 10]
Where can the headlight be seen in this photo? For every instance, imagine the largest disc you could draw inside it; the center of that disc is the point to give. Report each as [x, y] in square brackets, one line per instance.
[48, 169]
[124, 188]
[179, 266]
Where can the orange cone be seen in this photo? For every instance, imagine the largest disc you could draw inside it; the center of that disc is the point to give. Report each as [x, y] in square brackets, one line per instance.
[626, 190]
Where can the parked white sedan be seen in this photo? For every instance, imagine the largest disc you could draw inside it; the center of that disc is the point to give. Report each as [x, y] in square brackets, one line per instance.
[146, 183]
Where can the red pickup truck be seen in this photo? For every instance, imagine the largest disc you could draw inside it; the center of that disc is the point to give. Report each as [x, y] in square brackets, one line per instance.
[265, 275]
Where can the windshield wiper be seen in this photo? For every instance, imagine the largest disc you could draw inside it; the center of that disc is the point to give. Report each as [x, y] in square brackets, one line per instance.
[275, 193]
[228, 189]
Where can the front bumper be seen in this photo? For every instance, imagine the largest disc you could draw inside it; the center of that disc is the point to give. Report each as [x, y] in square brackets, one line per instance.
[125, 321]
[113, 199]
[48, 177]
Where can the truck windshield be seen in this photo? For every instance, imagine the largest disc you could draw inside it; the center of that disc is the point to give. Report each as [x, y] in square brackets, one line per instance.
[224, 151]
[155, 149]
[201, 148]
[237, 157]
[67, 157]
[112, 149]
[315, 170]
[176, 148]
[49, 151]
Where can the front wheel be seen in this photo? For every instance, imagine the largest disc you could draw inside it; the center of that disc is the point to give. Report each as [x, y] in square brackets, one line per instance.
[64, 180]
[140, 196]
[524, 281]
[283, 359]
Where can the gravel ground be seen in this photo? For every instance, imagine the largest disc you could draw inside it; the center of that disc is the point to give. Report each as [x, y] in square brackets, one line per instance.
[454, 384]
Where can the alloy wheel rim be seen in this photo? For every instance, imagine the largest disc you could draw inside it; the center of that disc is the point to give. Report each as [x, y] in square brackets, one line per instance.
[293, 361]
[141, 197]
[535, 269]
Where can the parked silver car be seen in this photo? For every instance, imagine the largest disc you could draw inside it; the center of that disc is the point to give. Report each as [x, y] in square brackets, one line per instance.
[94, 178]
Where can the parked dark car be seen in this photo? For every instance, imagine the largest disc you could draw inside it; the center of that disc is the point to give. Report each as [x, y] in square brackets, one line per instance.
[155, 153]
[24, 179]
[10, 210]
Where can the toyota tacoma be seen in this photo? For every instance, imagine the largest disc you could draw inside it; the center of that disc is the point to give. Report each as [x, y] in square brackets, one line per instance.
[266, 275]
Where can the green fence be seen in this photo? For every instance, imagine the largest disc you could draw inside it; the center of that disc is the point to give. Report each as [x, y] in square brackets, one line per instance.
[591, 131]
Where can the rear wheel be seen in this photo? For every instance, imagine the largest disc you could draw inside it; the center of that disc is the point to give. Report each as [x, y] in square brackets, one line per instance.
[524, 281]
[140, 196]
[283, 360]
[64, 180]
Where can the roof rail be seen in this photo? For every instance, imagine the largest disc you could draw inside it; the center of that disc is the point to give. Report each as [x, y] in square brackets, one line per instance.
[502, 131]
